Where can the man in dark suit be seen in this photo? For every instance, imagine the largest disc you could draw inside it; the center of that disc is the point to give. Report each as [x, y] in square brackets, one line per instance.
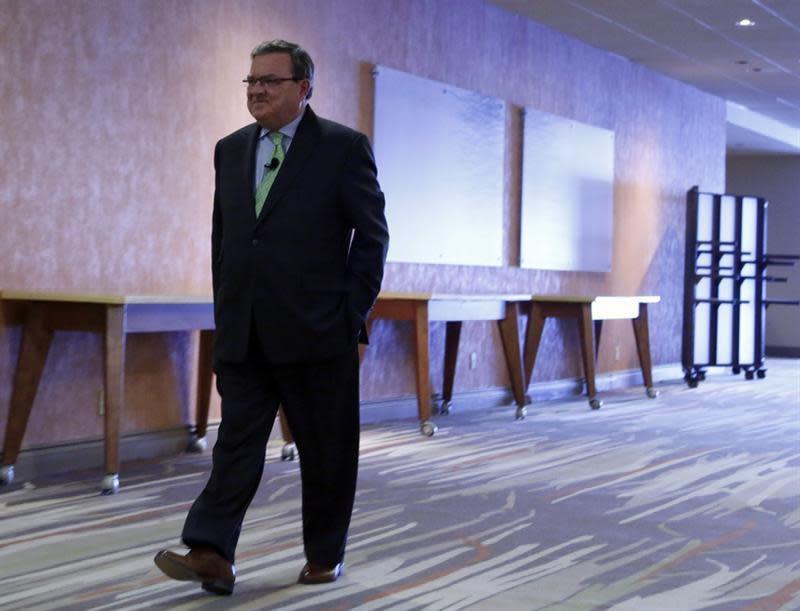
[298, 245]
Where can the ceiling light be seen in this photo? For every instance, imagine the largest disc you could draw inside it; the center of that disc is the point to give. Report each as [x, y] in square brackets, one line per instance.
[745, 23]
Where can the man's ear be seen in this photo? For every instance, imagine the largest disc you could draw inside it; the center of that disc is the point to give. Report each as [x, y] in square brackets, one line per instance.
[308, 89]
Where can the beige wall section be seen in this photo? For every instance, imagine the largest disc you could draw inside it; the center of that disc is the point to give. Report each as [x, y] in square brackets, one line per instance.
[776, 178]
[110, 111]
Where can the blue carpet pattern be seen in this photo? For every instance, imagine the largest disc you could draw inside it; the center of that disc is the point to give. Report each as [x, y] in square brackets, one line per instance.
[688, 501]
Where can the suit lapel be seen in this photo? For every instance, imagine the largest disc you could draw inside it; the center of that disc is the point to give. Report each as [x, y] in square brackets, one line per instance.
[303, 144]
[250, 165]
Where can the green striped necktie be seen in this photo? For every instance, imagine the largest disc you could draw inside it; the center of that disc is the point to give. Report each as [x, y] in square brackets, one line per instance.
[271, 173]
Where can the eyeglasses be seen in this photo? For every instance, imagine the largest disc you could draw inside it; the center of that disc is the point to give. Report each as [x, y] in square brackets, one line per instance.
[270, 82]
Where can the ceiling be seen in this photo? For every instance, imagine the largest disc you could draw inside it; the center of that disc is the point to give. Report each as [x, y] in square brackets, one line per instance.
[698, 42]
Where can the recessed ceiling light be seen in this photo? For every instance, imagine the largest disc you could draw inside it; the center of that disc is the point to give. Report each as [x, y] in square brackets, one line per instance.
[745, 23]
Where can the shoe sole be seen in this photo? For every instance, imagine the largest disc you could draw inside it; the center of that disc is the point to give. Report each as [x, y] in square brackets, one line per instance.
[180, 572]
[218, 586]
[330, 577]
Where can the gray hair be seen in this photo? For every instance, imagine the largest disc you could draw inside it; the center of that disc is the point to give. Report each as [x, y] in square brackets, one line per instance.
[302, 64]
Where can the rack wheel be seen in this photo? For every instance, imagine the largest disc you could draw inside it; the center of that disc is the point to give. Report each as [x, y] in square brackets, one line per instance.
[736, 370]
[445, 407]
[428, 428]
[110, 484]
[691, 380]
[701, 375]
[595, 403]
[6, 475]
[749, 374]
[288, 451]
[761, 373]
[652, 392]
[521, 413]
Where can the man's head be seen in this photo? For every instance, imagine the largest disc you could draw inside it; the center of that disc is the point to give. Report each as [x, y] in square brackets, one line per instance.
[280, 82]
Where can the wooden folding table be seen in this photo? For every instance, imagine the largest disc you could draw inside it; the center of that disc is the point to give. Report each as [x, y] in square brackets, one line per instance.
[590, 312]
[114, 316]
[421, 309]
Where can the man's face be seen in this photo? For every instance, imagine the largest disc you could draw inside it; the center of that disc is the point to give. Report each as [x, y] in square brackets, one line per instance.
[276, 104]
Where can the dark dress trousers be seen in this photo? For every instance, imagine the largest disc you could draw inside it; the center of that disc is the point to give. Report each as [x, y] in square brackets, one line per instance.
[292, 290]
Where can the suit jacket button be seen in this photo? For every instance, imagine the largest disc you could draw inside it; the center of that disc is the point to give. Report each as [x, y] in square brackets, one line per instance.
[255, 242]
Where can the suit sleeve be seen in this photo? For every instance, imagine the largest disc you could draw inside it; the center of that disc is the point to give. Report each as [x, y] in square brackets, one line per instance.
[364, 205]
[216, 232]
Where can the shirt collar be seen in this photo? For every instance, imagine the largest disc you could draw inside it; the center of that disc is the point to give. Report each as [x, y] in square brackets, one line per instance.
[287, 130]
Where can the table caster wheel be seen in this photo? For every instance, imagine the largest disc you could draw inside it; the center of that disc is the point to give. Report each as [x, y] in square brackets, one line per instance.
[595, 403]
[110, 484]
[428, 428]
[445, 407]
[761, 373]
[749, 374]
[6, 475]
[521, 413]
[288, 451]
[652, 392]
[197, 445]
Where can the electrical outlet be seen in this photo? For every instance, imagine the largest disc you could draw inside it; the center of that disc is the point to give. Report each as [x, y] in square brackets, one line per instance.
[473, 360]
[101, 403]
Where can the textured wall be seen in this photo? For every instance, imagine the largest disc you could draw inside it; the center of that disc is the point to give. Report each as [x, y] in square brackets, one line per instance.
[110, 110]
[777, 178]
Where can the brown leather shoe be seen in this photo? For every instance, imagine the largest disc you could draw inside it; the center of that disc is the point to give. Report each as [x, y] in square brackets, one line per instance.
[201, 564]
[315, 573]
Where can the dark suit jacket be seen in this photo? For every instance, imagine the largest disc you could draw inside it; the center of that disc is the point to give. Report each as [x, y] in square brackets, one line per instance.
[294, 272]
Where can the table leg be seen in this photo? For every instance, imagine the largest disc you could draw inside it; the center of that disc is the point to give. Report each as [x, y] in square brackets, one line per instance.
[642, 335]
[533, 335]
[114, 365]
[452, 337]
[289, 449]
[509, 334]
[598, 331]
[422, 368]
[205, 375]
[36, 338]
[587, 352]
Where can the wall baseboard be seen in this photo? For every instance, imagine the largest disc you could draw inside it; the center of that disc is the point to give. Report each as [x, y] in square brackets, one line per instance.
[88, 455]
[406, 407]
[792, 352]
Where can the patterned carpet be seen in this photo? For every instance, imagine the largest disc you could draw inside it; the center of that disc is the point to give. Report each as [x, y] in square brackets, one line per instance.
[689, 501]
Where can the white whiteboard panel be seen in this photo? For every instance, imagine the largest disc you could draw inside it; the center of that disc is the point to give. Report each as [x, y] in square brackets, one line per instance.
[747, 290]
[439, 151]
[702, 311]
[567, 194]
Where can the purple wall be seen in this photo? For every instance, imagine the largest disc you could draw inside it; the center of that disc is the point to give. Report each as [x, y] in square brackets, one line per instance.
[110, 111]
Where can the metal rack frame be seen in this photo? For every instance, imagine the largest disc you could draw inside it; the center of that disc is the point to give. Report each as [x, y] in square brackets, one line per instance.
[724, 299]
